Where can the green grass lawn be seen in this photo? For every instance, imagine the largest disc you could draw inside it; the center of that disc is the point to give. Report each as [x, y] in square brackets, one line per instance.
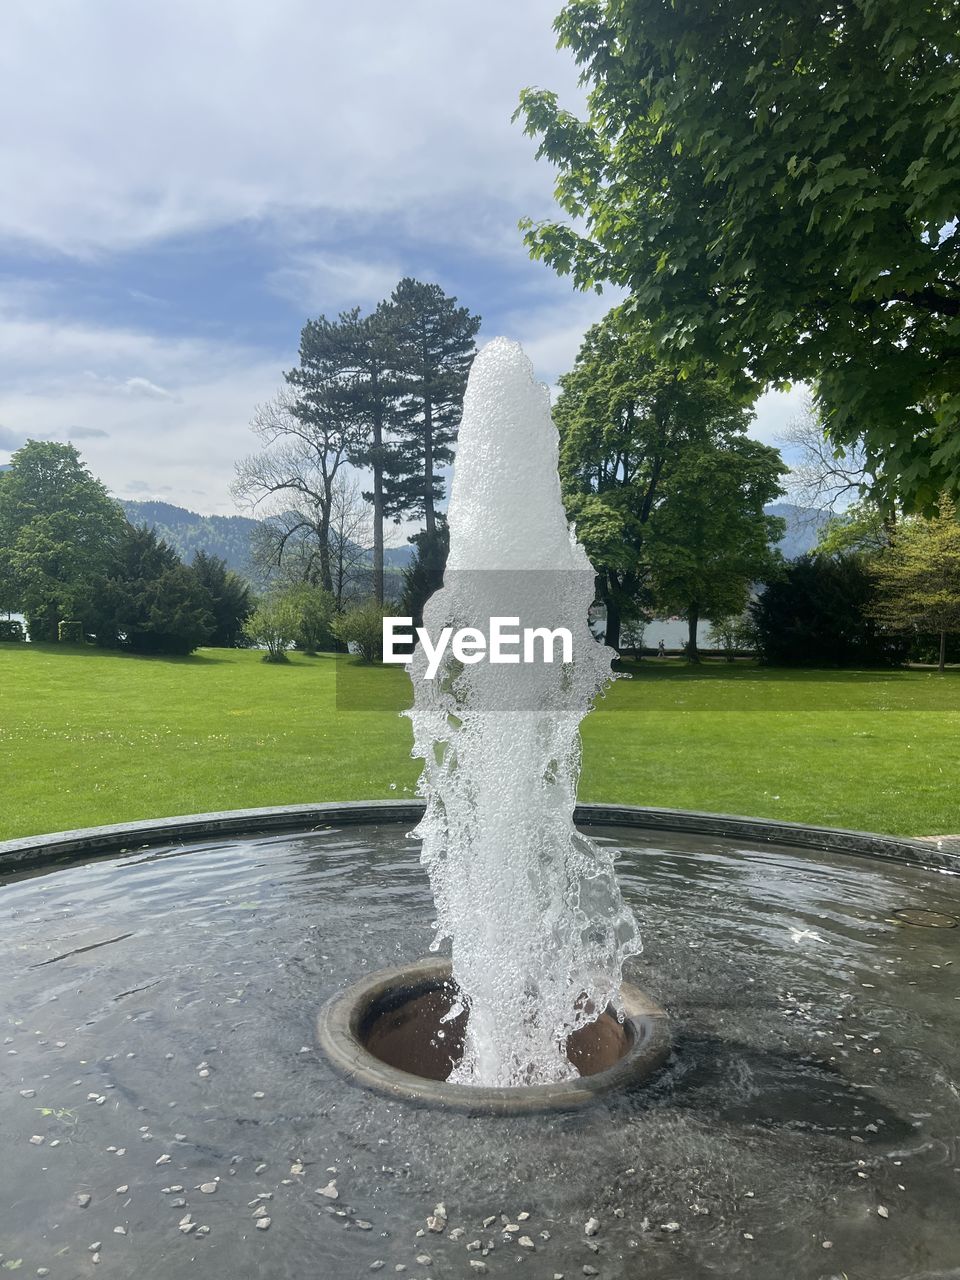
[89, 737]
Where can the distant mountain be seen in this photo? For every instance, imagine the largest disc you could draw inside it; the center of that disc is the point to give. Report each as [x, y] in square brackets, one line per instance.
[229, 537]
[187, 532]
[803, 527]
[398, 557]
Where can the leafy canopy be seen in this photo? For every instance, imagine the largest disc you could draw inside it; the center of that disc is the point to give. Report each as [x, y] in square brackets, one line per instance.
[775, 182]
[643, 448]
[59, 531]
[918, 576]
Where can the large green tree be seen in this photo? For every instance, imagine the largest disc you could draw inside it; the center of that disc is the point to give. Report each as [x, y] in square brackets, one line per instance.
[151, 602]
[59, 532]
[628, 423]
[710, 537]
[433, 347]
[918, 577]
[229, 596]
[370, 367]
[777, 184]
[820, 612]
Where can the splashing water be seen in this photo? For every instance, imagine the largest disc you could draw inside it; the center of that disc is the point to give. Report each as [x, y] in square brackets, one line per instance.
[538, 927]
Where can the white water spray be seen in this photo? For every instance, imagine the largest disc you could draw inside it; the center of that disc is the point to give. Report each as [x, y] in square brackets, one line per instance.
[539, 929]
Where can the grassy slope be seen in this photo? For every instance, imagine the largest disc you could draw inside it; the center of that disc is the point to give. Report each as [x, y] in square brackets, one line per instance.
[88, 737]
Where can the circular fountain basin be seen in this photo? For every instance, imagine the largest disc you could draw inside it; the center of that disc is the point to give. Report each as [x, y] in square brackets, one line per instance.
[391, 1032]
[160, 986]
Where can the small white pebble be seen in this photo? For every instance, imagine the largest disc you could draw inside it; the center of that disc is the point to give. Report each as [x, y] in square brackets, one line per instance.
[882, 1212]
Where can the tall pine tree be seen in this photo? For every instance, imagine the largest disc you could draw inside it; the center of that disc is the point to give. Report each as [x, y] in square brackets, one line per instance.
[368, 363]
[433, 347]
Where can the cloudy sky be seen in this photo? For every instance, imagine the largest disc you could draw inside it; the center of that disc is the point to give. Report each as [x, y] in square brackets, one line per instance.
[184, 184]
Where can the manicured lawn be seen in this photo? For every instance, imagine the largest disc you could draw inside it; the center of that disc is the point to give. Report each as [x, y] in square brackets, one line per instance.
[88, 737]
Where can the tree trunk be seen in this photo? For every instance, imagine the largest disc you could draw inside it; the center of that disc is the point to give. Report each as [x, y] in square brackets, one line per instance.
[326, 577]
[377, 461]
[611, 635]
[943, 651]
[429, 514]
[693, 620]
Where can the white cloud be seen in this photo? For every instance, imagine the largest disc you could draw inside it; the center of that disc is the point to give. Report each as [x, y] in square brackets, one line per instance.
[551, 330]
[330, 282]
[184, 415]
[135, 386]
[776, 410]
[137, 122]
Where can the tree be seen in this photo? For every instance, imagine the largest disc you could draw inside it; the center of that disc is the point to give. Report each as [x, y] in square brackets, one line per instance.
[350, 539]
[776, 185]
[273, 625]
[862, 527]
[820, 613]
[229, 598]
[625, 420]
[732, 634]
[59, 530]
[710, 537]
[362, 626]
[918, 577]
[822, 476]
[314, 610]
[424, 574]
[369, 347]
[151, 602]
[308, 434]
[433, 347]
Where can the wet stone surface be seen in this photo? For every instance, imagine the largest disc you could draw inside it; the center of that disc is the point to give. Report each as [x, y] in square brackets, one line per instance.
[164, 1113]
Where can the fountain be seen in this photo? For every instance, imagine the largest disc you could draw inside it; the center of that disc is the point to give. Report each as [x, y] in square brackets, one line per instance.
[166, 1110]
[538, 926]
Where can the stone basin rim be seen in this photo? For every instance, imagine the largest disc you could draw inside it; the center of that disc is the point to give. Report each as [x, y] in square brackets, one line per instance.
[339, 1039]
[88, 842]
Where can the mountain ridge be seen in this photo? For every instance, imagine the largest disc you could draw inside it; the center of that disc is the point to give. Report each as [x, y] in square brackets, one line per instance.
[229, 537]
